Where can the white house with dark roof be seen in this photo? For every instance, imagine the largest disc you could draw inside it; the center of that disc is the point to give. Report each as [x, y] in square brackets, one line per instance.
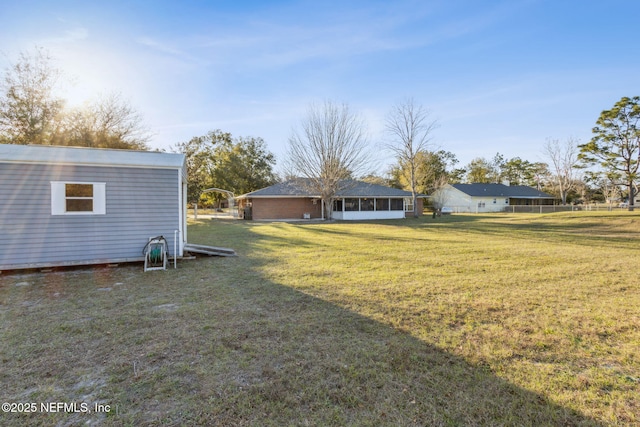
[72, 206]
[356, 200]
[488, 197]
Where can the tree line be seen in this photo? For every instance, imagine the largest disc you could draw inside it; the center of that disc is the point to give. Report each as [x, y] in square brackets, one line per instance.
[330, 144]
[605, 169]
[32, 111]
[219, 160]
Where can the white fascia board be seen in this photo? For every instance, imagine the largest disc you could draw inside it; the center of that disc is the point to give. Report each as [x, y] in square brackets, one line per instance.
[33, 154]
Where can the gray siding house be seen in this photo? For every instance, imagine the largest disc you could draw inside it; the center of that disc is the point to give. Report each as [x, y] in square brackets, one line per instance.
[480, 197]
[71, 206]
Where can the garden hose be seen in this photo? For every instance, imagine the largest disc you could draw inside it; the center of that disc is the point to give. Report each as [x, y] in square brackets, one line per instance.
[155, 253]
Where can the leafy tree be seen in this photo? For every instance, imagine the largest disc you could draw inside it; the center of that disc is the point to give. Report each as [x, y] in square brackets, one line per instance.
[329, 146]
[497, 168]
[29, 108]
[517, 171]
[243, 165]
[216, 160]
[601, 188]
[199, 153]
[375, 179]
[438, 169]
[583, 192]
[410, 127]
[481, 170]
[615, 145]
[432, 169]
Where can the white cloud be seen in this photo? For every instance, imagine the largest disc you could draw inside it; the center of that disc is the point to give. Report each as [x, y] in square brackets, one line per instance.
[65, 37]
[159, 46]
[77, 34]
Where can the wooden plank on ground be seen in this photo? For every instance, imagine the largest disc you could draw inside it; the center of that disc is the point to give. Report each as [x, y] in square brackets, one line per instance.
[209, 250]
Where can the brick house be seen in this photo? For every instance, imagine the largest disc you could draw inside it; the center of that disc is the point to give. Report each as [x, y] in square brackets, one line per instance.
[356, 200]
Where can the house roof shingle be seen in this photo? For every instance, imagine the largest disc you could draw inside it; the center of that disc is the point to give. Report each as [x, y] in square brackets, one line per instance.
[501, 190]
[348, 188]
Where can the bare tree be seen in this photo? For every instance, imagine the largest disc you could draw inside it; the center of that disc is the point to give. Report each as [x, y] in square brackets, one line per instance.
[410, 129]
[563, 157]
[109, 122]
[29, 108]
[32, 113]
[329, 147]
[610, 190]
[118, 122]
[439, 197]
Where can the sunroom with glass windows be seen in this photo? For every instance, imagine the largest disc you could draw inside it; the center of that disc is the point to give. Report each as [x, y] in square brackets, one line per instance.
[355, 208]
[298, 198]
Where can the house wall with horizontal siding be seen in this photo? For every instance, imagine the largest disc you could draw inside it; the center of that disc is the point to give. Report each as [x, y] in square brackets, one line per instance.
[140, 203]
[460, 202]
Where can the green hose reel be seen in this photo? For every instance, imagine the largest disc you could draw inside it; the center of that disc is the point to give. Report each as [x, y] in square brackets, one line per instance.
[155, 254]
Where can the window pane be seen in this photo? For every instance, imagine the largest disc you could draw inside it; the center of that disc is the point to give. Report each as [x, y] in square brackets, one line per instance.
[337, 205]
[351, 205]
[408, 204]
[79, 205]
[79, 190]
[397, 204]
[366, 204]
[382, 204]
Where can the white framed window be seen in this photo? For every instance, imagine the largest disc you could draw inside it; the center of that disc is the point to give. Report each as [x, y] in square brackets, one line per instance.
[408, 204]
[78, 198]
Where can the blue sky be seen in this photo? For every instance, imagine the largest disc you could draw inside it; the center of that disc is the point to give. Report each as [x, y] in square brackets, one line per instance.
[498, 76]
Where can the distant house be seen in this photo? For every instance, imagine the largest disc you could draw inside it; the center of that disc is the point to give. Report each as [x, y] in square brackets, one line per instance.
[356, 200]
[69, 206]
[489, 197]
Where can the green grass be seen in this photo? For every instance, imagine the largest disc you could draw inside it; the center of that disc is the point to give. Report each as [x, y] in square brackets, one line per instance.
[461, 320]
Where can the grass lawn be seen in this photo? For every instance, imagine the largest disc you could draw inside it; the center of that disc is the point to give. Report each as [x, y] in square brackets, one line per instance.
[462, 320]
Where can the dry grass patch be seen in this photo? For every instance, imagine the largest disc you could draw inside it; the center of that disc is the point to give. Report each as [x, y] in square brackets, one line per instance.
[501, 320]
[547, 302]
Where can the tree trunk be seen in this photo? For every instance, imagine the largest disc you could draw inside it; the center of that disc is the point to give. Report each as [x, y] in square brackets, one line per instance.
[327, 208]
[413, 187]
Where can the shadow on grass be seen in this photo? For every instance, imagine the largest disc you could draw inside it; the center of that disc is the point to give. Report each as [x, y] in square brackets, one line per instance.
[323, 364]
[293, 359]
[215, 343]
